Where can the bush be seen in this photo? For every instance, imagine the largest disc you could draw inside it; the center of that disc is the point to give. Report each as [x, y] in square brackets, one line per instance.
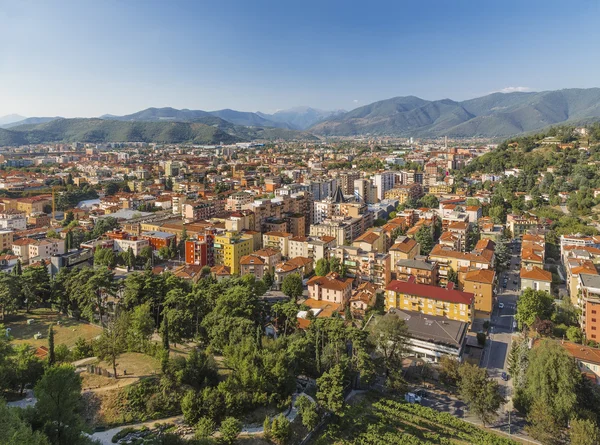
[481, 337]
[121, 434]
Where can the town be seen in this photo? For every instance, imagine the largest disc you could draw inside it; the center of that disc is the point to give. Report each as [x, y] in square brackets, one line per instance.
[278, 291]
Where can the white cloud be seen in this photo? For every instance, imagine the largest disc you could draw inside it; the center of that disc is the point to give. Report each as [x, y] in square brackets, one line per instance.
[355, 101]
[514, 90]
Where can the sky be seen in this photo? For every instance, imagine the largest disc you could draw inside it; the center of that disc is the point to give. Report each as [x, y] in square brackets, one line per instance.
[86, 58]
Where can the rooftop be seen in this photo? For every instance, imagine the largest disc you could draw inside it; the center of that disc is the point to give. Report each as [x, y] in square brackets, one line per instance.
[432, 292]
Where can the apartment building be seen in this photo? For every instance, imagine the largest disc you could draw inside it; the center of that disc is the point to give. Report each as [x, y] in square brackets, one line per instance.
[330, 288]
[13, 220]
[535, 278]
[383, 182]
[45, 248]
[343, 229]
[405, 193]
[365, 191]
[422, 271]
[311, 247]
[371, 241]
[157, 239]
[238, 201]
[278, 241]
[364, 266]
[6, 240]
[200, 250]
[230, 247]
[480, 282]
[346, 181]
[482, 257]
[431, 300]
[589, 303]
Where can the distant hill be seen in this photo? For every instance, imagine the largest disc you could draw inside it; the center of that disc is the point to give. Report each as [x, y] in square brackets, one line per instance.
[172, 114]
[205, 130]
[494, 115]
[9, 119]
[30, 121]
[300, 118]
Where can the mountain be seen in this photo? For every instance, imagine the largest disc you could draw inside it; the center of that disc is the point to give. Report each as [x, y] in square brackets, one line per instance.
[9, 119]
[30, 121]
[493, 115]
[207, 130]
[300, 118]
[185, 115]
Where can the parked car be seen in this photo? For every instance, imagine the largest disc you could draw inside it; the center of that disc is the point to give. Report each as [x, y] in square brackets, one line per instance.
[501, 305]
[411, 397]
[421, 393]
[504, 376]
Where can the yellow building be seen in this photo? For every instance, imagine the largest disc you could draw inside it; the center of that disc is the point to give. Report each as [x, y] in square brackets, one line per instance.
[480, 282]
[6, 239]
[230, 247]
[431, 300]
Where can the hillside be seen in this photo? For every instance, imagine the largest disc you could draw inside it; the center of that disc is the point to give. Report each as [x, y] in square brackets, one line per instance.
[30, 121]
[494, 115]
[300, 118]
[205, 130]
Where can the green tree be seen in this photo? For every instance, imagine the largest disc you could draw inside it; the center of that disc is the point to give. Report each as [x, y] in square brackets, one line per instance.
[330, 392]
[292, 286]
[51, 356]
[481, 393]
[449, 370]
[59, 404]
[308, 412]
[113, 341]
[230, 429]
[322, 267]
[281, 429]
[574, 334]
[584, 432]
[35, 285]
[26, 366]
[430, 201]
[205, 428]
[542, 424]
[267, 279]
[453, 276]
[531, 305]
[130, 258]
[105, 258]
[15, 431]
[553, 379]
[390, 337]
[9, 294]
[141, 325]
[425, 239]
[69, 218]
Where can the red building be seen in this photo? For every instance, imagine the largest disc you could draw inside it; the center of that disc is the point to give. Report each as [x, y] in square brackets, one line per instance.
[158, 239]
[199, 251]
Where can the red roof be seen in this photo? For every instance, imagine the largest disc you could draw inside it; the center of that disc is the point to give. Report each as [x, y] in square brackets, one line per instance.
[431, 292]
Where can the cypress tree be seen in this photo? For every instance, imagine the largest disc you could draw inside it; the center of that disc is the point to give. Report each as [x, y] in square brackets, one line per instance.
[51, 356]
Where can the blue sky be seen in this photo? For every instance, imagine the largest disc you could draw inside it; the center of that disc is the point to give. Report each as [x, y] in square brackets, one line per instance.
[87, 58]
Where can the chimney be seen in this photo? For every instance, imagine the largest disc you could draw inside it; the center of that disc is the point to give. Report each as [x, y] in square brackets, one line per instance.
[450, 285]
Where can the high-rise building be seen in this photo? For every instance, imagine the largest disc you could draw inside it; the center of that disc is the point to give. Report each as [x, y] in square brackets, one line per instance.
[384, 182]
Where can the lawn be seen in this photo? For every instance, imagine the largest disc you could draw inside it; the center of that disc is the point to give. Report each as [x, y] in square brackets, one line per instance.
[136, 365]
[66, 332]
[376, 420]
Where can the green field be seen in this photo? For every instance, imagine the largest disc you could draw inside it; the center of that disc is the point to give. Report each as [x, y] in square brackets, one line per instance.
[376, 420]
[67, 332]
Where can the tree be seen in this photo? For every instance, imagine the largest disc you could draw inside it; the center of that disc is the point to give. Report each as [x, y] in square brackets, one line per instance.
[425, 239]
[390, 337]
[267, 278]
[15, 431]
[130, 258]
[26, 366]
[69, 240]
[69, 217]
[292, 286]
[230, 429]
[51, 356]
[9, 294]
[141, 324]
[205, 427]
[281, 429]
[111, 188]
[105, 257]
[552, 379]
[35, 285]
[430, 201]
[543, 425]
[502, 255]
[308, 412]
[574, 334]
[59, 404]
[584, 432]
[113, 341]
[182, 239]
[146, 253]
[481, 393]
[533, 304]
[453, 276]
[330, 390]
[322, 267]
[449, 370]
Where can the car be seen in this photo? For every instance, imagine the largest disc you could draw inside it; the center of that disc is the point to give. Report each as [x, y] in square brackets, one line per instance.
[515, 282]
[514, 324]
[412, 398]
[504, 376]
[421, 393]
[504, 285]
[501, 305]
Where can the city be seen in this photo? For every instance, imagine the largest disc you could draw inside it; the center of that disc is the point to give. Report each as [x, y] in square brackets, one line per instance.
[397, 271]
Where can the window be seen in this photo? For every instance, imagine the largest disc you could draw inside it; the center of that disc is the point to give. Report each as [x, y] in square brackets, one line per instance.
[593, 328]
[593, 320]
[593, 311]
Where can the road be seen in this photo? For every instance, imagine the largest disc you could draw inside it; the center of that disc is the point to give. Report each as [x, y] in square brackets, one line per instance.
[497, 348]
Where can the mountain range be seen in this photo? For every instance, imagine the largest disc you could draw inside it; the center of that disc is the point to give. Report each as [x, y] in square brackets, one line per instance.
[491, 116]
[496, 115]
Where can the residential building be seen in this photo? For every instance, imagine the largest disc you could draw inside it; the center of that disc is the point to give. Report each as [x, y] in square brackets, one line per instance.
[299, 265]
[586, 357]
[365, 191]
[422, 271]
[481, 283]
[343, 229]
[431, 300]
[363, 298]
[347, 181]
[330, 288]
[536, 278]
[45, 248]
[230, 247]
[482, 257]
[589, 303]
[384, 181]
[364, 266]
[200, 250]
[6, 240]
[158, 239]
[13, 220]
[404, 248]
[277, 240]
[371, 241]
[405, 193]
[311, 247]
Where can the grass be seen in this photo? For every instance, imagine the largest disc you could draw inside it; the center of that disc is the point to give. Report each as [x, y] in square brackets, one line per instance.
[136, 365]
[66, 333]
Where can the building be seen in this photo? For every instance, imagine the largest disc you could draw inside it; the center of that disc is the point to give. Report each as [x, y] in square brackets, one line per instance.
[311, 247]
[253, 265]
[45, 248]
[383, 182]
[330, 288]
[199, 250]
[482, 257]
[365, 191]
[422, 271]
[574, 267]
[405, 193]
[157, 239]
[371, 241]
[432, 337]
[299, 265]
[535, 278]
[238, 201]
[586, 357]
[431, 300]
[589, 303]
[364, 266]
[363, 298]
[230, 247]
[6, 240]
[404, 248]
[277, 240]
[343, 229]
[347, 181]
[73, 259]
[481, 282]
[13, 220]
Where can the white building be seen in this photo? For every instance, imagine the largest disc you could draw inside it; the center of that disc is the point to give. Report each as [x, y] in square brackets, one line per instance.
[13, 220]
[384, 182]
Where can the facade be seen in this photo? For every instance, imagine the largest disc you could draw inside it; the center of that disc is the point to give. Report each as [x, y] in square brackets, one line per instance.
[405, 193]
[13, 220]
[200, 250]
[330, 288]
[363, 298]
[589, 303]
[6, 240]
[431, 300]
[482, 257]
[311, 247]
[230, 247]
[422, 271]
[157, 239]
[480, 283]
[384, 181]
[365, 191]
[364, 266]
[278, 241]
[45, 248]
[404, 248]
[536, 278]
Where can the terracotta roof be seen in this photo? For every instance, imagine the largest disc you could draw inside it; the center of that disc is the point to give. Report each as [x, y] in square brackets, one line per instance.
[485, 256]
[536, 274]
[266, 252]
[300, 261]
[405, 245]
[251, 259]
[368, 237]
[280, 234]
[327, 239]
[458, 225]
[582, 353]
[530, 255]
[331, 281]
[220, 270]
[480, 276]
[431, 292]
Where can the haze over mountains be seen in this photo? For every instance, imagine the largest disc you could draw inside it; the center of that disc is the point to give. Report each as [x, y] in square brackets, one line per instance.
[496, 115]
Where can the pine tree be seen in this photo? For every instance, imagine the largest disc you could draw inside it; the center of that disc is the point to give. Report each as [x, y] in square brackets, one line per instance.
[51, 355]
